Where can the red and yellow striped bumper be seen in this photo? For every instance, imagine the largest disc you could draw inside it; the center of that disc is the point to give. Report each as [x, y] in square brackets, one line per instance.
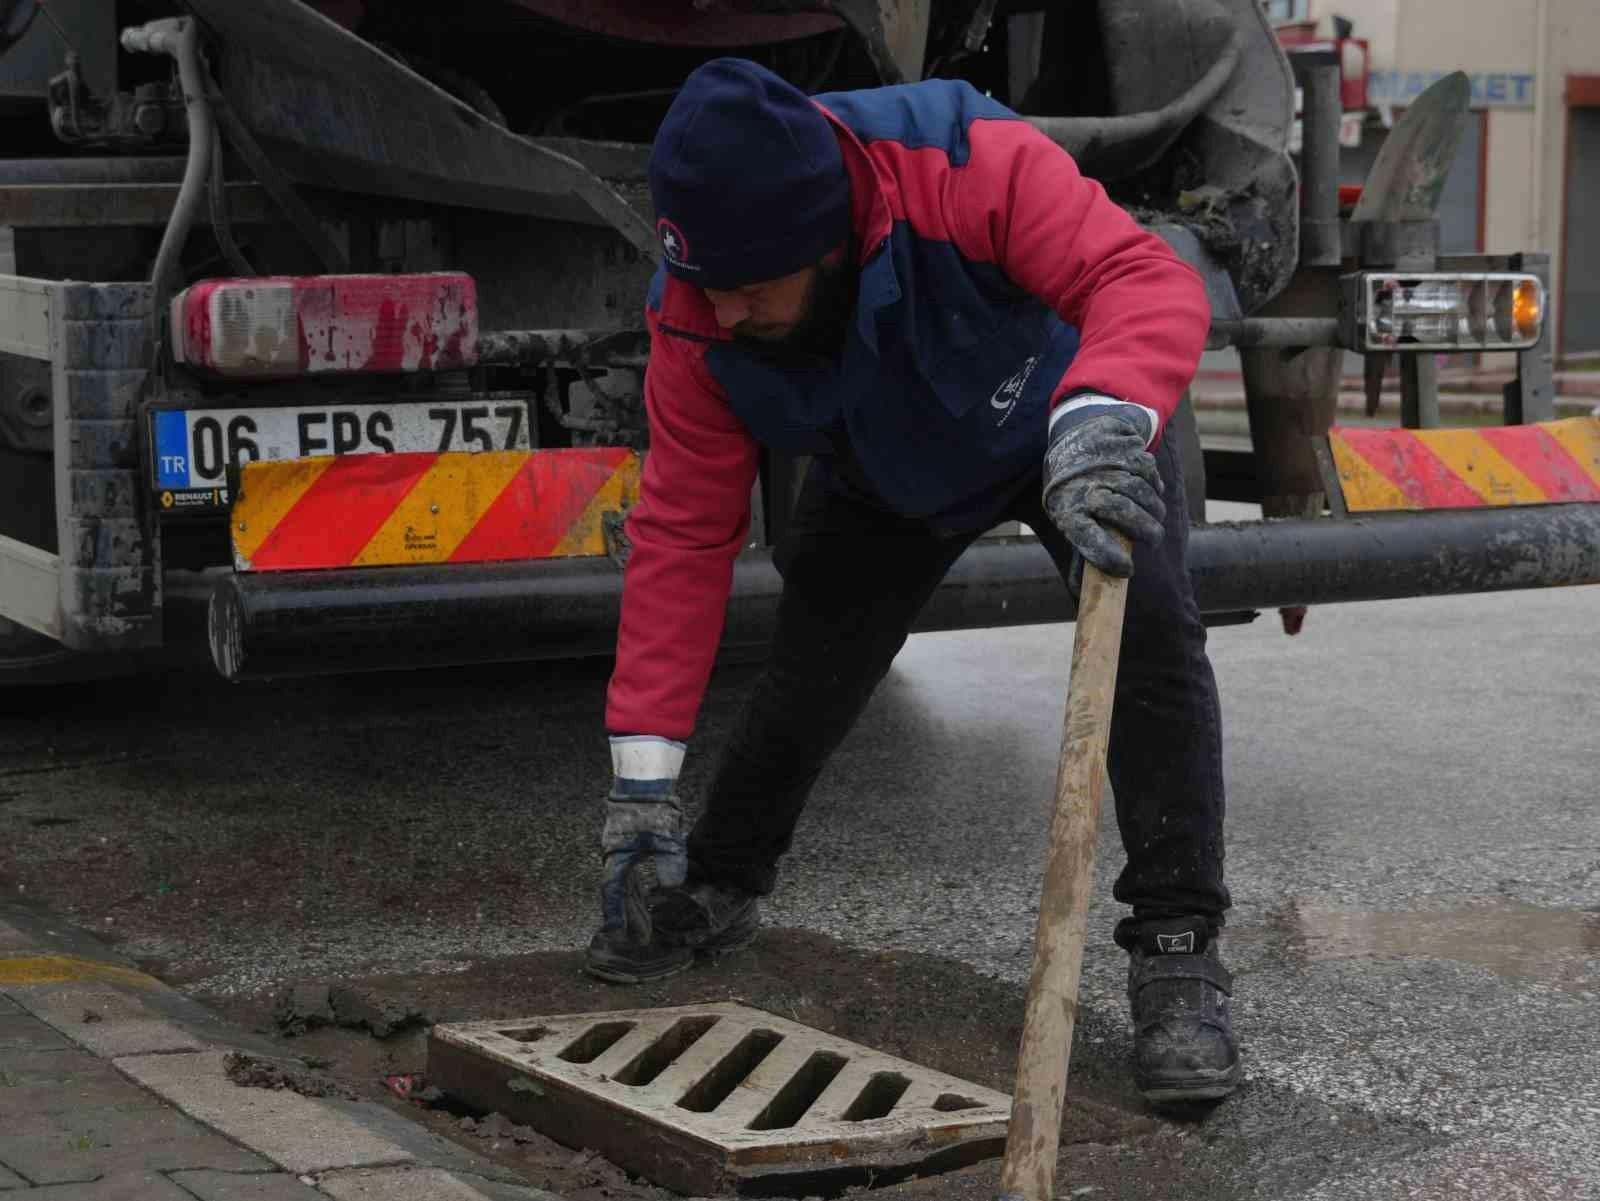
[1389, 469]
[383, 510]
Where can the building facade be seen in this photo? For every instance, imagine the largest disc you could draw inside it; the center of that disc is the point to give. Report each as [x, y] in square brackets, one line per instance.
[1527, 175]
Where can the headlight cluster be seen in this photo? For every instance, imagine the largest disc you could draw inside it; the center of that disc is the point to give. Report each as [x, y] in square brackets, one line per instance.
[1490, 311]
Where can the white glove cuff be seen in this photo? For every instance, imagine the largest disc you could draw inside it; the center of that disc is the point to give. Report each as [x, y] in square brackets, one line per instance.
[1095, 400]
[646, 757]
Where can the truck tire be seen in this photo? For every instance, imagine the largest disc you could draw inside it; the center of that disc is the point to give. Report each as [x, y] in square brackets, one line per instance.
[26, 415]
[27, 657]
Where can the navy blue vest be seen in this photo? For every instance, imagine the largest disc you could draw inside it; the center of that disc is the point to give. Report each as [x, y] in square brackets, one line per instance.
[942, 393]
[943, 389]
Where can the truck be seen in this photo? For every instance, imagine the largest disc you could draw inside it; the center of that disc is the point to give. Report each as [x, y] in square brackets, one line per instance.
[322, 346]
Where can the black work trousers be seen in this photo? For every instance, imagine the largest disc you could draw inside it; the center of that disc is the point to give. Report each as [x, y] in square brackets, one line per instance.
[854, 578]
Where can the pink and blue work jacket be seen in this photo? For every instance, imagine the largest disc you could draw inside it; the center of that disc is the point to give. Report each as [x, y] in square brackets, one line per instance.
[995, 282]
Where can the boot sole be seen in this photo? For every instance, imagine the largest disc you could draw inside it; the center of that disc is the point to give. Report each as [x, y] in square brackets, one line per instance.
[620, 974]
[616, 975]
[1214, 1088]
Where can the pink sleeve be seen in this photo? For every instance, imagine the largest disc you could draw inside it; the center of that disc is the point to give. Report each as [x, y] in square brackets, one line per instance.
[1140, 310]
[690, 522]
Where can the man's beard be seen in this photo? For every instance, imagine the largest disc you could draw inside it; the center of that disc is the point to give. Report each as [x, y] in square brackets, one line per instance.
[830, 304]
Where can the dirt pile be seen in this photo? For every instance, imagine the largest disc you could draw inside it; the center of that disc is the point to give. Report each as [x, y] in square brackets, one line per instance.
[304, 1007]
[254, 1071]
[497, 1127]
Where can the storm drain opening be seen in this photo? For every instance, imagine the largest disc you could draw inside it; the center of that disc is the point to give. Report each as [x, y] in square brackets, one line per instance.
[526, 1034]
[664, 1052]
[594, 1042]
[880, 1096]
[720, 1098]
[714, 1087]
[802, 1090]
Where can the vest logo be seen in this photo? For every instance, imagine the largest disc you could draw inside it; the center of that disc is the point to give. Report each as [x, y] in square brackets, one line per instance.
[674, 245]
[1176, 944]
[1007, 394]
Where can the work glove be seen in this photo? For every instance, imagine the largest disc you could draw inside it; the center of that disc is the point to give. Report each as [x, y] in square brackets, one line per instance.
[642, 843]
[1099, 477]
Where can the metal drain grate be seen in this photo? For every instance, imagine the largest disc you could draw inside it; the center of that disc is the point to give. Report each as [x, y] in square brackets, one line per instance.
[720, 1098]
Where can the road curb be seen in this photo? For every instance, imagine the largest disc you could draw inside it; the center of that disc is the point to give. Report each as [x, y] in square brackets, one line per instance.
[75, 987]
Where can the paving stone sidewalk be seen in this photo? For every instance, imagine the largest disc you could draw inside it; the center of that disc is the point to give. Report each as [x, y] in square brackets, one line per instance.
[112, 1088]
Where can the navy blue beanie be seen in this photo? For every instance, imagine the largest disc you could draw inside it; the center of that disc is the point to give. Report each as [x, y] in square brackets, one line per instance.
[747, 178]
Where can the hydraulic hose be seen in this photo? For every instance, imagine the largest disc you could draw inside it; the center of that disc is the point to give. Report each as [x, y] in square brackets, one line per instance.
[179, 38]
[1114, 147]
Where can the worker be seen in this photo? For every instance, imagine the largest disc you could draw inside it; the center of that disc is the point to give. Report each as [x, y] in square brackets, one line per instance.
[917, 290]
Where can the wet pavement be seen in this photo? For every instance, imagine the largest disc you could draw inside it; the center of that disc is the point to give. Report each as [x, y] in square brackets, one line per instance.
[1414, 850]
[1414, 853]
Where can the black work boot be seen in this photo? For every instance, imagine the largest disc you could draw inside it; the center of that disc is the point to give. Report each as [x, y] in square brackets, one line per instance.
[1183, 1044]
[706, 918]
[618, 959]
[628, 949]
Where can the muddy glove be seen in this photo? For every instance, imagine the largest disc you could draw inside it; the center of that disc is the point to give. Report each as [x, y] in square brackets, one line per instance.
[643, 841]
[1099, 476]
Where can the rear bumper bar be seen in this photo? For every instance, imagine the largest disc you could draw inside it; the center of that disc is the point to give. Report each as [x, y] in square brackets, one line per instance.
[313, 622]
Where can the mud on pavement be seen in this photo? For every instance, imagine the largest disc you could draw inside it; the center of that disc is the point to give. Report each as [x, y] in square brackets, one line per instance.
[933, 1011]
[256, 1071]
[286, 837]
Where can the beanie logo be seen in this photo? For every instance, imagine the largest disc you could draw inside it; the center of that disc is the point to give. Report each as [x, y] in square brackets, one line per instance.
[674, 245]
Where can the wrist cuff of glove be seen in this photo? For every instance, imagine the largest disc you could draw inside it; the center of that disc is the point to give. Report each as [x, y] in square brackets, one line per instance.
[643, 826]
[1083, 406]
[644, 766]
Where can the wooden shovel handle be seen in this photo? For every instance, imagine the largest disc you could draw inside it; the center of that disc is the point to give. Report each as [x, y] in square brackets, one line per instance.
[1035, 1130]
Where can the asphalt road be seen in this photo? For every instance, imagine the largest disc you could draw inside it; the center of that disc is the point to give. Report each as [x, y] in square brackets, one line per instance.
[1414, 849]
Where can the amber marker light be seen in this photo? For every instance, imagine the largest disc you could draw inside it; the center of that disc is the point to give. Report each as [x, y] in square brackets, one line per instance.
[1527, 310]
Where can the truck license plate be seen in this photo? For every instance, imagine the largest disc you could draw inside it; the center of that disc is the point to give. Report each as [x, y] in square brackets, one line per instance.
[192, 448]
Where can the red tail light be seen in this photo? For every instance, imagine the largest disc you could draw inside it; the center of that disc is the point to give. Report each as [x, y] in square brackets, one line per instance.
[311, 325]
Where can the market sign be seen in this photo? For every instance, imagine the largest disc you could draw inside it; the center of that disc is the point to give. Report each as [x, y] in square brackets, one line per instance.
[1490, 89]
